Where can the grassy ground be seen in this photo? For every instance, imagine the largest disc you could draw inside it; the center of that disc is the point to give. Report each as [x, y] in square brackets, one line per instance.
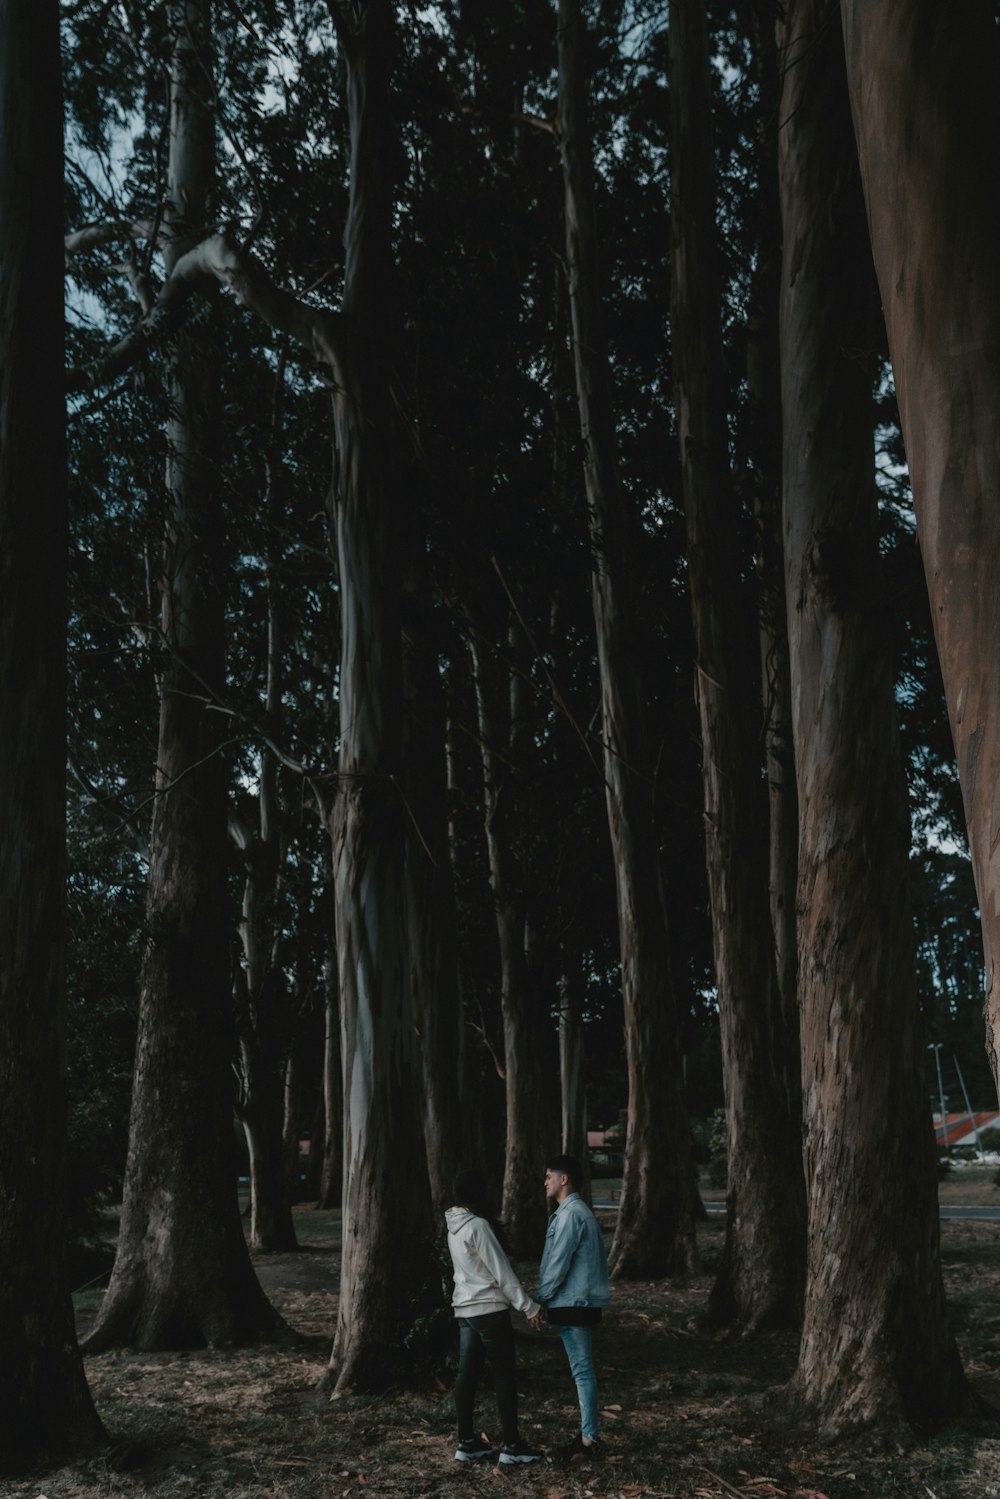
[685, 1413]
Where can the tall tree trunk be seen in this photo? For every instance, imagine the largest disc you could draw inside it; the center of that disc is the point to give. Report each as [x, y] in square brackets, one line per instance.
[430, 897]
[45, 1403]
[573, 1091]
[502, 730]
[922, 79]
[655, 1233]
[760, 1280]
[764, 444]
[264, 1029]
[386, 1264]
[331, 1180]
[876, 1347]
[182, 1275]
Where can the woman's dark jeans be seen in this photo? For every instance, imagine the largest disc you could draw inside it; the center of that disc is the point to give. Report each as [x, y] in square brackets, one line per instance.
[491, 1338]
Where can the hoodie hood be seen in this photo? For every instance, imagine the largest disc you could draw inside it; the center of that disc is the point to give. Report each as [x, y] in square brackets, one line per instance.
[457, 1218]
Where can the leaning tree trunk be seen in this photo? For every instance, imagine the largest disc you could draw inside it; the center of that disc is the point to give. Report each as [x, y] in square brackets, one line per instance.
[655, 1231]
[503, 739]
[760, 1280]
[386, 1265]
[923, 84]
[182, 1275]
[44, 1399]
[876, 1347]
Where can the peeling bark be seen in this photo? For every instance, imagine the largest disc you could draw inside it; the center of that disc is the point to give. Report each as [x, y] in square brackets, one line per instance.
[386, 1270]
[876, 1349]
[923, 84]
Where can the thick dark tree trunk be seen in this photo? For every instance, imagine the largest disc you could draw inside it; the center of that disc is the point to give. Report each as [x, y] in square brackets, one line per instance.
[655, 1233]
[760, 1280]
[182, 1275]
[45, 1405]
[386, 1265]
[876, 1348]
[923, 90]
[503, 734]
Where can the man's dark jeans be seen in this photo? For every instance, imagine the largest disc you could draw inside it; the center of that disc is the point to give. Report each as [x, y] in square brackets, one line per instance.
[487, 1338]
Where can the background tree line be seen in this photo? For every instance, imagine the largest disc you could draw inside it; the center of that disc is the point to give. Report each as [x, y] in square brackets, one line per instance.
[472, 581]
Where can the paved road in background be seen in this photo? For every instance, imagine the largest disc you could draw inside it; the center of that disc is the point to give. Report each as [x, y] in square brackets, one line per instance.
[982, 1215]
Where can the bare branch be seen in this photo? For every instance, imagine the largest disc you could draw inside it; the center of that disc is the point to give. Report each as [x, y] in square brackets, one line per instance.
[108, 232]
[537, 122]
[219, 258]
[316, 328]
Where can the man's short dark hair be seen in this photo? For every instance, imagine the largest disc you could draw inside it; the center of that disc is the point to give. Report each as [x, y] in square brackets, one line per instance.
[569, 1165]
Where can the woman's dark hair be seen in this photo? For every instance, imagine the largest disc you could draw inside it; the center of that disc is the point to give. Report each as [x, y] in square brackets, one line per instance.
[470, 1191]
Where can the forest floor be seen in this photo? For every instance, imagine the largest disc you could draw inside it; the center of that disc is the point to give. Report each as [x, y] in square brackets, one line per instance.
[687, 1414]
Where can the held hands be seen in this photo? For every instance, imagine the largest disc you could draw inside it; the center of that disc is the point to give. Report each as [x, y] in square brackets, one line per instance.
[538, 1320]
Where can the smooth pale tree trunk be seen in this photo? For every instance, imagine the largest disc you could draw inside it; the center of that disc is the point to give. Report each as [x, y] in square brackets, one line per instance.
[182, 1276]
[503, 733]
[331, 1179]
[655, 1232]
[922, 80]
[760, 1281]
[46, 1408]
[386, 1265]
[876, 1349]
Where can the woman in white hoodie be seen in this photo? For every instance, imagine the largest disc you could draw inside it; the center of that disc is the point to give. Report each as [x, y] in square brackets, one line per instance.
[485, 1290]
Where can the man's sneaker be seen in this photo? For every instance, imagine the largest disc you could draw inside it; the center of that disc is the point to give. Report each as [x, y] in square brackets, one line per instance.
[579, 1448]
[518, 1452]
[474, 1451]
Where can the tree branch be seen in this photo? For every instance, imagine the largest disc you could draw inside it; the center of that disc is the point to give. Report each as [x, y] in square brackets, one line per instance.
[347, 20]
[219, 258]
[108, 232]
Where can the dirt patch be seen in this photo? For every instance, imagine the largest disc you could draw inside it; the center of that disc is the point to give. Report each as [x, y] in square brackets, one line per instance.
[686, 1414]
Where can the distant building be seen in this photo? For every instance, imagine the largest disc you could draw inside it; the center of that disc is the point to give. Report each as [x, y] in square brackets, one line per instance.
[962, 1129]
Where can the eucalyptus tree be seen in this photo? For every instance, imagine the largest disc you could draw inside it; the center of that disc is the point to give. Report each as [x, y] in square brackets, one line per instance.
[47, 1408]
[760, 1281]
[655, 1227]
[876, 1347]
[479, 397]
[920, 74]
[182, 1275]
[386, 1195]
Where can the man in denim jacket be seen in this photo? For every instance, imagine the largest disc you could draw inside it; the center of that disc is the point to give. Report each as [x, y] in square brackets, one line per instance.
[574, 1287]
